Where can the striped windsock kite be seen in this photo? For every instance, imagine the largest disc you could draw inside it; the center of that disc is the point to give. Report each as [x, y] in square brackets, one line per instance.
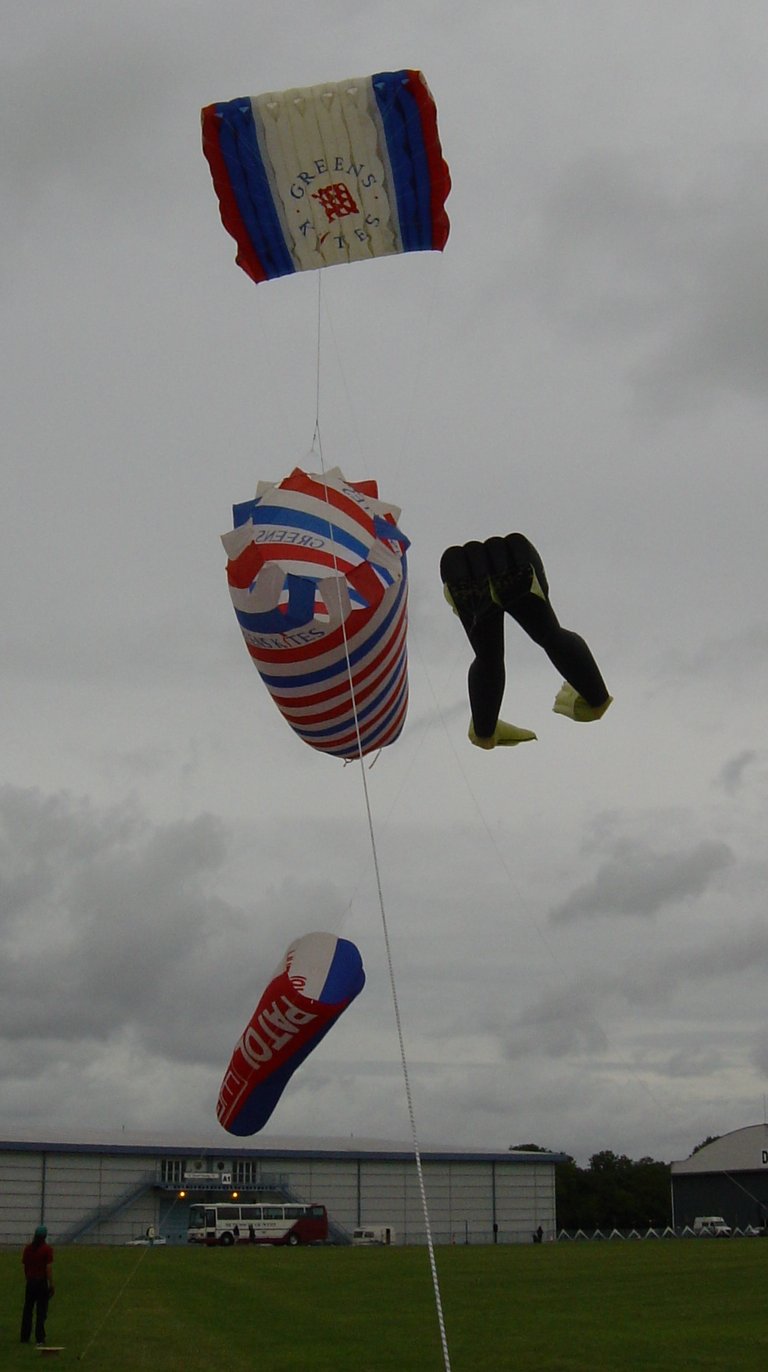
[318, 579]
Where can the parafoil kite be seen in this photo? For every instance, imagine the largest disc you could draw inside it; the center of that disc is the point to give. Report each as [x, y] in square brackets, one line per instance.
[317, 979]
[326, 174]
[318, 578]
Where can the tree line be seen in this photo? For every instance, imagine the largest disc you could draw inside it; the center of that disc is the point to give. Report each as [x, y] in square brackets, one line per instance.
[612, 1192]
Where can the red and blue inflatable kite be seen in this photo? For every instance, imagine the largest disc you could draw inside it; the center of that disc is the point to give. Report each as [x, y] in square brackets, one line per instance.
[317, 979]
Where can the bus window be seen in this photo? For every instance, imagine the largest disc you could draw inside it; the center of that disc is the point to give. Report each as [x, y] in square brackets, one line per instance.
[273, 1212]
[250, 1212]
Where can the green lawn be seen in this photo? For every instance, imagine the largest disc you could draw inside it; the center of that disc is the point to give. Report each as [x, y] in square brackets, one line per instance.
[661, 1306]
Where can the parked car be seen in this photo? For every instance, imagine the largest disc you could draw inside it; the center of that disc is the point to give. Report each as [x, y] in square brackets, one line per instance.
[376, 1233]
[712, 1225]
[149, 1239]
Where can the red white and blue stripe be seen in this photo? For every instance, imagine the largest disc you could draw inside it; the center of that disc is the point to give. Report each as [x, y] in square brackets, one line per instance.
[331, 173]
[317, 573]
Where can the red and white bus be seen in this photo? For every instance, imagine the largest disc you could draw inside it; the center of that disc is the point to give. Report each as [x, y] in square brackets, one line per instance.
[229, 1222]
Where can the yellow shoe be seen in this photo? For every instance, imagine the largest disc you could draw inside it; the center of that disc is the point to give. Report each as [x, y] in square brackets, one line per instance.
[574, 706]
[504, 736]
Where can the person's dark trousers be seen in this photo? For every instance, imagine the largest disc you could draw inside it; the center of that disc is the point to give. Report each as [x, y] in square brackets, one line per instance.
[35, 1302]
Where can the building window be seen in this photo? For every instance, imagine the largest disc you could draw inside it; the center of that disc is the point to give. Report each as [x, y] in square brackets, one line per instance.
[172, 1171]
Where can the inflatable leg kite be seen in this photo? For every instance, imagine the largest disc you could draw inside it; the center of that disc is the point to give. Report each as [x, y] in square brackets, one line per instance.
[481, 582]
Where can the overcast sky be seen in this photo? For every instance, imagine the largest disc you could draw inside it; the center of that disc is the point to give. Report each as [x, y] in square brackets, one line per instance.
[578, 925]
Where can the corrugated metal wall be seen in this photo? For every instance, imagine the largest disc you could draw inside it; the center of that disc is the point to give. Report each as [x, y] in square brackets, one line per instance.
[466, 1199]
[65, 1190]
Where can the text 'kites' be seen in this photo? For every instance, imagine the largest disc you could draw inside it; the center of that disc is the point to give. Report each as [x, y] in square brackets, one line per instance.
[318, 577]
[317, 979]
[326, 174]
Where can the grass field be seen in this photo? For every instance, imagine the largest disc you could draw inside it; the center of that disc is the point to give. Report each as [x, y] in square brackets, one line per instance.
[661, 1306]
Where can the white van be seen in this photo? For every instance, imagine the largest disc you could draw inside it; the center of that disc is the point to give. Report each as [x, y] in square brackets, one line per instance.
[374, 1233]
[713, 1225]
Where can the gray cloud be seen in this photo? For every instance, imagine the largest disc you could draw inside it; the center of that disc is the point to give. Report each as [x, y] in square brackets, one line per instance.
[562, 1025]
[112, 926]
[759, 1052]
[639, 880]
[731, 775]
[695, 1060]
[720, 655]
[675, 267]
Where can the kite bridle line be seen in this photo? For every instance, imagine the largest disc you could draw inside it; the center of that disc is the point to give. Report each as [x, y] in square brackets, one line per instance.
[382, 911]
[98, 1328]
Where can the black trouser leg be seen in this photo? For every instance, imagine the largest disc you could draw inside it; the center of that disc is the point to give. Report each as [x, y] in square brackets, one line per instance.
[26, 1315]
[566, 650]
[465, 570]
[42, 1311]
[487, 675]
[35, 1305]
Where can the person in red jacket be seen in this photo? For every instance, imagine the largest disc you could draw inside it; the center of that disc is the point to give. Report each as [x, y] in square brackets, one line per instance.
[37, 1260]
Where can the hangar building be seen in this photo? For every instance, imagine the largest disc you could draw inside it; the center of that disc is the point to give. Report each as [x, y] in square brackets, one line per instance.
[113, 1192]
[727, 1177]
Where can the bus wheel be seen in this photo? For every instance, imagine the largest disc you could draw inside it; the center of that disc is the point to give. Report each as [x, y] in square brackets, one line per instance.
[293, 1240]
[227, 1240]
